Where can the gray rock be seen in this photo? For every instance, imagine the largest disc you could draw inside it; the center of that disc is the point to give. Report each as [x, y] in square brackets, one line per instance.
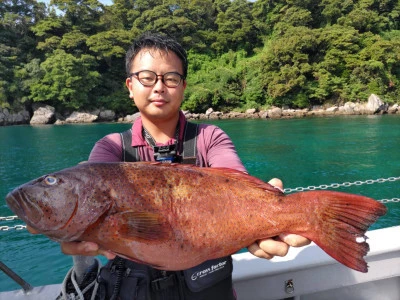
[42, 114]
[235, 115]
[318, 112]
[191, 116]
[209, 111]
[18, 118]
[59, 122]
[288, 112]
[250, 111]
[106, 115]
[347, 109]
[393, 109]
[81, 117]
[275, 113]
[359, 109]
[215, 115]
[263, 114]
[131, 118]
[301, 113]
[376, 105]
[332, 110]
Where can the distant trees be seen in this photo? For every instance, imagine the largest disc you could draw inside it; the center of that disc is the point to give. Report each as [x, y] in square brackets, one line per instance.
[242, 54]
[17, 46]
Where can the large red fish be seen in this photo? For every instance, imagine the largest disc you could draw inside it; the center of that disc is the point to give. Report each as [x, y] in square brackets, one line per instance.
[174, 217]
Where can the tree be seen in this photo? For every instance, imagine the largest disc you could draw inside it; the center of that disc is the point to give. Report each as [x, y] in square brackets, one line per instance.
[27, 76]
[285, 65]
[236, 30]
[378, 68]
[17, 44]
[337, 48]
[82, 14]
[214, 82]
[332, 10]
[67, 81]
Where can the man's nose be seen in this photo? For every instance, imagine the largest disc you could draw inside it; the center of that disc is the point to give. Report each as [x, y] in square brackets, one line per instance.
[159, 85]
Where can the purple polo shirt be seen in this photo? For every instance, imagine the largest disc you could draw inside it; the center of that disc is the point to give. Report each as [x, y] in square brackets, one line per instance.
[214, 147]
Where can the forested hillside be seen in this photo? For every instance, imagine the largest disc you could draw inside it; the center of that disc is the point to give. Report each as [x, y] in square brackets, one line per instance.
[242, 54]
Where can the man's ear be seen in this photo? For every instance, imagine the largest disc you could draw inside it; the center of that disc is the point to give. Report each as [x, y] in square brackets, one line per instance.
[128, 83]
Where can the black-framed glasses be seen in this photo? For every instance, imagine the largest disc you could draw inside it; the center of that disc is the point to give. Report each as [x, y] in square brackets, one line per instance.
[149, 78]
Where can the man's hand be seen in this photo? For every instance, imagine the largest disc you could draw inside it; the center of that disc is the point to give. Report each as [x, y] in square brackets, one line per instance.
[279, 245]
[85, 249]
[80, 248]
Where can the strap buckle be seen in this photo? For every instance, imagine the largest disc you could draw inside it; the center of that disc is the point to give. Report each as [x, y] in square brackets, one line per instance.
[163, 283]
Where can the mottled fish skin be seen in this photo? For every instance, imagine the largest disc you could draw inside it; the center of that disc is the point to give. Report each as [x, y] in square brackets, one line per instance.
[174, 217]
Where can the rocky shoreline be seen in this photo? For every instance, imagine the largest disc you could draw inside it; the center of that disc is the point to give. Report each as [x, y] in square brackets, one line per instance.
[45, 114]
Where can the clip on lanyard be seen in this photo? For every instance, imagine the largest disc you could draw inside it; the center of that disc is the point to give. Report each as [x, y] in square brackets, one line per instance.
[167, 154]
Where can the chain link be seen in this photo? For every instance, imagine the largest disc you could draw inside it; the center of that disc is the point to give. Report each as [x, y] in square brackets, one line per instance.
[10, 218]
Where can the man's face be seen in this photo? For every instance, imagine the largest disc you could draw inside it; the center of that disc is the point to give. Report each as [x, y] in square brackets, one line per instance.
[157, 102]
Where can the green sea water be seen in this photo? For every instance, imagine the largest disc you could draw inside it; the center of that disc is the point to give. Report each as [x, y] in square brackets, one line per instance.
[301, 152]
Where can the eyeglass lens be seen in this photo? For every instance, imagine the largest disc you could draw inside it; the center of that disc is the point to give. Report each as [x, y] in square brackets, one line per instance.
[149, 78]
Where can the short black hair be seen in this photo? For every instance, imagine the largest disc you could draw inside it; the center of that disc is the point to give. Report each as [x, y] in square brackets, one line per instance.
[150, 40]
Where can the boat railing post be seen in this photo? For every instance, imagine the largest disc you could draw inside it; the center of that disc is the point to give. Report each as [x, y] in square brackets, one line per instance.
[14, 276]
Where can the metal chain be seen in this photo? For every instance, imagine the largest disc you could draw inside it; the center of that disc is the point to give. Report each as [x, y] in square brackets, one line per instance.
[16, 227]
[8, 228]
[10, 218]
[394, 200]
[338, 185]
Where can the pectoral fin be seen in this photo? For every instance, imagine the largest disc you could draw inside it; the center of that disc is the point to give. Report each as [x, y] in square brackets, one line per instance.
[143, 225]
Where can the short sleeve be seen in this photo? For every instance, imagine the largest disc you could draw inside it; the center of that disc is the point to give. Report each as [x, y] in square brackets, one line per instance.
[216, 149]
[107, 149]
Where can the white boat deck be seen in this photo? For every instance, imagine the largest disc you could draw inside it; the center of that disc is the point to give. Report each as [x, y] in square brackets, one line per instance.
[306, 273]
[315, 275]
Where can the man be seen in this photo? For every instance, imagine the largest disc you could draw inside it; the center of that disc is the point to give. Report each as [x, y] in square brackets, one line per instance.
[156, 68]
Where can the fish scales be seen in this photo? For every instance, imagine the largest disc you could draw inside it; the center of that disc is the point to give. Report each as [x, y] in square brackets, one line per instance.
[174, 217]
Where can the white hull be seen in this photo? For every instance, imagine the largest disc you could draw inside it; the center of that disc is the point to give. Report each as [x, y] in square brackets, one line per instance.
[313, 274]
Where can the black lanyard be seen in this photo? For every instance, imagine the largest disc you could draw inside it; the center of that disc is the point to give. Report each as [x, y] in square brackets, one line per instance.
[167, 153]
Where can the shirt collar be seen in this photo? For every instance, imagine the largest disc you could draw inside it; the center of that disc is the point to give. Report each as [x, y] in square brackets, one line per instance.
[137, 127]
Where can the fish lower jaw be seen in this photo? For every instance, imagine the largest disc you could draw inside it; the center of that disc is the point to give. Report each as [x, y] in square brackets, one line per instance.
[14, 205]
[32, 229]
[26, 210]
[57, 235]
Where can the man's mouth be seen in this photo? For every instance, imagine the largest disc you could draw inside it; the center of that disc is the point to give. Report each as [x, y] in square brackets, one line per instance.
[158, 101]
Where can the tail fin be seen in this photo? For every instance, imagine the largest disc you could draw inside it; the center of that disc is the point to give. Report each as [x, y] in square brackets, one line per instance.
[340, 223]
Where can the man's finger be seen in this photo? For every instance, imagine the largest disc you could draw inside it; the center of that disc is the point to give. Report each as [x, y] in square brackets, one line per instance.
[257, 251]
[274, 247]
[80, 248]
[276, 183]
[294, 240]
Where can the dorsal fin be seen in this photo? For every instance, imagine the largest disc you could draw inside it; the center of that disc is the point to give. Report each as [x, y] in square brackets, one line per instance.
[250, 180]
[223, 172]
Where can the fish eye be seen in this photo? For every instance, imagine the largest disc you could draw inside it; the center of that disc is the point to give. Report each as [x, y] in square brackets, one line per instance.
[50, 180]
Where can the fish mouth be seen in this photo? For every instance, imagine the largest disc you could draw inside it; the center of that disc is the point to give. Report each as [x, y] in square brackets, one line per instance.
[25, 209]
